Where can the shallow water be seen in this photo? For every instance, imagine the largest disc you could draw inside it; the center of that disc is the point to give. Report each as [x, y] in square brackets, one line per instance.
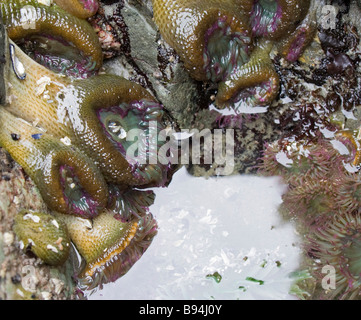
[228, 225]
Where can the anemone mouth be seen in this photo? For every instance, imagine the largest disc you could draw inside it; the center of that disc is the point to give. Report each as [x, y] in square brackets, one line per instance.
[265, 17]
[77, 199]
[224, 50]
[133, 130]
[118, 259]
[117, 122]
[58, 55]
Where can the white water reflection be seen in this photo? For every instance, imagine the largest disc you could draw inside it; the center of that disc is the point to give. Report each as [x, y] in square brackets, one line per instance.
[228, 225]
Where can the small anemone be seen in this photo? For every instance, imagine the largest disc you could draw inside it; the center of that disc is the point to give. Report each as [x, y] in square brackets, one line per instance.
[309, 201]
[44, 235]
[348, 195]
[297, 162]
[274, 161]
[337, 243]
[316, 161]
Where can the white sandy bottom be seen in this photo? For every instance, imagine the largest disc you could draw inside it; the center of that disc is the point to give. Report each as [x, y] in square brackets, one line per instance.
[227, 225]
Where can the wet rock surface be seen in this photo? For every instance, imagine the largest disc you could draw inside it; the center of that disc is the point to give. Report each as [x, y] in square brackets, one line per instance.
[23, 276]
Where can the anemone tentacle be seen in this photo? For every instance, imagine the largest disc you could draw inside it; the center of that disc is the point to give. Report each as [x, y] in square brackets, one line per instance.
[337, 243]
[273, 19]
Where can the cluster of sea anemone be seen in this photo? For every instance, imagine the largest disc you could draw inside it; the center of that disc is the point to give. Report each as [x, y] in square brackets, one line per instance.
[323, 198]
[88, 140]
[227, 43]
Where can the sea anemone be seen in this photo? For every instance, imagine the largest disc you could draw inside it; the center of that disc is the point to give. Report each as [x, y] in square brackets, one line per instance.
[53, 37]
[274, 161]
[309, 201]
[112, 242]
[224, 50]
[109, 246]
[348, 195]
[68, 180]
